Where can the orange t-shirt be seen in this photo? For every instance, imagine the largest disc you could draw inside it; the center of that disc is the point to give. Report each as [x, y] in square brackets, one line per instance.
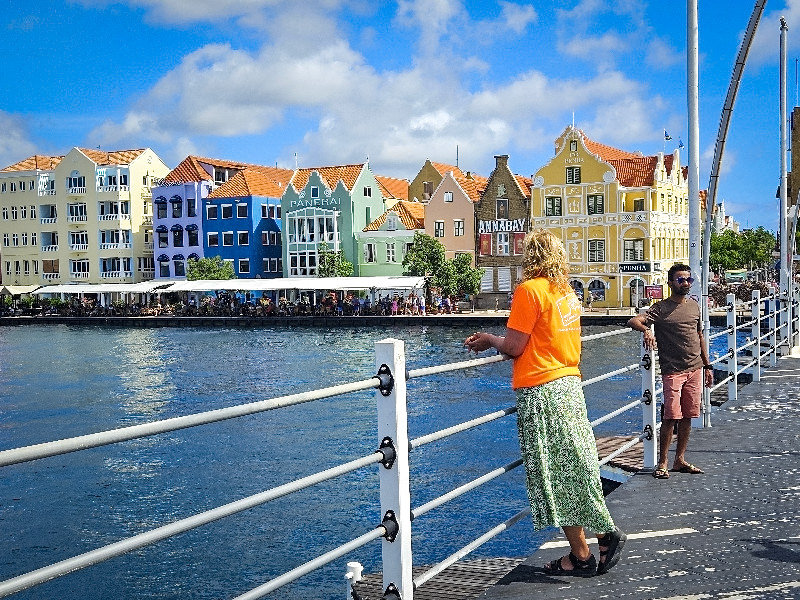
[553, 320]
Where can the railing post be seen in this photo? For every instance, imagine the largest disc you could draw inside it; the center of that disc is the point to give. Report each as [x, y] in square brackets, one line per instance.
[773, 327]
[756, 333]
[395, 481]
[649, 401]
[733, 354]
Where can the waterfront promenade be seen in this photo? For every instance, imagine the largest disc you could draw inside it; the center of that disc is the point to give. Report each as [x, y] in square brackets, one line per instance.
[733, 532]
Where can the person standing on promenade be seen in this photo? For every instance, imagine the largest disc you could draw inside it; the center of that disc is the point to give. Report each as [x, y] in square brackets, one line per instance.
[684, 364]
[543, 335]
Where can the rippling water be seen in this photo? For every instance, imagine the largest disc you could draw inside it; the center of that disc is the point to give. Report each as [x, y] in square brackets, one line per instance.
[62, 381]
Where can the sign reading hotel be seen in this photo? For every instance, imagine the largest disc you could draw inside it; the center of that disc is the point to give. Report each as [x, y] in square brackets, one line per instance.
[508, 225]
[634, 267]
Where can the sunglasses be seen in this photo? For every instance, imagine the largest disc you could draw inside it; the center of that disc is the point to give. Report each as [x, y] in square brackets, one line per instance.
[689, 280]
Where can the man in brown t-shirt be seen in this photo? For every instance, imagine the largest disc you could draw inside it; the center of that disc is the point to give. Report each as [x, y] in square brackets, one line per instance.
[684, 364]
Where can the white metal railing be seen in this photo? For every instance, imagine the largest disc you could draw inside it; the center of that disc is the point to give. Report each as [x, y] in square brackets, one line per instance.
[79, 247]
[50, 276]
[79, 274]
[114, 217]
[75, 191]
[48, 220]
[392, 453]
[77, 219]
[50, 248]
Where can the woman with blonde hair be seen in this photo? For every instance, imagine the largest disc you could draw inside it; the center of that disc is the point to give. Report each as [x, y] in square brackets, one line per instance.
[543, 336]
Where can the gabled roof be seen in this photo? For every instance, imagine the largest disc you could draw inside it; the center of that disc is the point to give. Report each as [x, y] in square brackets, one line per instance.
[36, 162]
[472, 184]
[412, 215]
[443, 168]
[607, 153]
[525, 184]
[251, 181]
[348, 174]
[393, 188]
[191, 169]
[114, 157]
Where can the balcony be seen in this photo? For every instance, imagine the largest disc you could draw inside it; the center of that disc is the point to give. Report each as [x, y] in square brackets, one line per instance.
[50, 276]
[76, 191]
[115, 217]
[115, 246]
[47, 192]
[77, 219]
[48, 220]
[116, 274]
[147, 193]
[147, 220]
[50, 248]
[79, 247]
[637, 217]
[81, 275]
[148, 273]
[148, 246]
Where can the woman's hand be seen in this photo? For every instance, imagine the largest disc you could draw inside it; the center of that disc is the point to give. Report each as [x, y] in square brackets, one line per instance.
[479, 342]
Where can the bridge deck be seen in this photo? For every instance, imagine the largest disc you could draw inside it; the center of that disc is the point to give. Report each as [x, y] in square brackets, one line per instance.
[733, 532]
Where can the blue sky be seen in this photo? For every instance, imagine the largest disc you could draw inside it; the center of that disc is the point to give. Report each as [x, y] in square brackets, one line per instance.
[339, 81]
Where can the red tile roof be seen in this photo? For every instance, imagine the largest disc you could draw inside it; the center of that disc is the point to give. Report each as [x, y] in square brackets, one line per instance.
[472, 184]
[393, 188]
[412, 215]
[35, 162]
[525, 184]
[443, 168]
[348, 174]
[114, 157]
[251, 181]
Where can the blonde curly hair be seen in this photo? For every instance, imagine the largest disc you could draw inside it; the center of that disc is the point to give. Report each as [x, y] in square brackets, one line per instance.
[545, 256]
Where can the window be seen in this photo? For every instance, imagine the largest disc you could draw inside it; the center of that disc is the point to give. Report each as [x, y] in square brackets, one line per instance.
[244, 265]
[163, 239]
[5, 240]
[13, 186]
[502, 244]
[177, 238]
[265, 211]
[79, 266]
[227, 238]
[595, 204]
[458, 227]
[244, 238]
[633, 250]
[180, 268]
[194, 237]
[314, 191]
[220, 175]
[14, 239]
[50, 266]
[24, 238]
[369, 253]
[161, 211]
[448, 196]
[638, 204]
[241, 210]
[227, 211]
[573, 175]
[265, 265]
[573, 146]
[213, 240]
[3, 189]
[211, 212]
[74, 183]
[191, 207]
[427, 189]
[8, 265]
[36, 267]
[26, 267]
[552, 206]
[390, 254]
[5, 213]
[163, 268]
[278, 212]
[13, 213]
[391, 222]
[33, 212]
[177, 208]
[33, 238]
[438, 229]
[367, 192]
[502, 209]
[23, 212]
[597, 250]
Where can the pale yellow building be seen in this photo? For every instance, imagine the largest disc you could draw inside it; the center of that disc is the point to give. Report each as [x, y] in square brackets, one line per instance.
[623, 217]
[85, 217]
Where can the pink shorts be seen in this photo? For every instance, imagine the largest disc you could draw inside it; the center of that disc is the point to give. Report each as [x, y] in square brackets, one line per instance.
[682, 394]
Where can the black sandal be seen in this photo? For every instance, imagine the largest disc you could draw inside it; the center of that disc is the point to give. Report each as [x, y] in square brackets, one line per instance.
[613, 541]
[580, 568]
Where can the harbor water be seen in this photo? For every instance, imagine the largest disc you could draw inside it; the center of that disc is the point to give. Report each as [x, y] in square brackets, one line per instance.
[60, 381]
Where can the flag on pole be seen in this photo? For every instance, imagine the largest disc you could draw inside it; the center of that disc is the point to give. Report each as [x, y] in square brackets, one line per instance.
[680, 143]
[667, 136]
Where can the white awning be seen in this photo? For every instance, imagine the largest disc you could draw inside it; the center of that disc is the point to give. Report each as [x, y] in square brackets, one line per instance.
[399, 282]
[104, 288]
[16, 290]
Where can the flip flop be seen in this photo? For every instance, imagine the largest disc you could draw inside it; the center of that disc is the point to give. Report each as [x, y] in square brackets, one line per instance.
[688, 468]
[661, 473]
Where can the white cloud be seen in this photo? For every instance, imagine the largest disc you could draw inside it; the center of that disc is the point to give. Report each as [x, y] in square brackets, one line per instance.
[517, 17]
[15, 144]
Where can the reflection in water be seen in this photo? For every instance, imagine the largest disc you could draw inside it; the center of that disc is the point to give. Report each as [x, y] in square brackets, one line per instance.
[62, 381]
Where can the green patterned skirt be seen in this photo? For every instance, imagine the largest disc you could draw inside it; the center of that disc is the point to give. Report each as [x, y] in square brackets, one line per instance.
[560, 457]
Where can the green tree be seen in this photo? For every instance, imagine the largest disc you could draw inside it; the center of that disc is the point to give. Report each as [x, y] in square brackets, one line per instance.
[724, 251]
[426, 258]
[332, 264]
[212, 267]
[467, 277]
[756, 246]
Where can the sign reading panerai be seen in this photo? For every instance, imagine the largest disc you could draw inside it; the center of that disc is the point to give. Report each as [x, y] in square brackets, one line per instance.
[634, 267]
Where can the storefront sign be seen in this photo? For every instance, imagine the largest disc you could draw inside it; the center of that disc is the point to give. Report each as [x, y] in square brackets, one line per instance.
[501, 225]
[654, 292]
[634, 267]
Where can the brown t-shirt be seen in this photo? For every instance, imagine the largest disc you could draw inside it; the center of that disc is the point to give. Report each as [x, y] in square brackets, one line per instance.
[677, 326]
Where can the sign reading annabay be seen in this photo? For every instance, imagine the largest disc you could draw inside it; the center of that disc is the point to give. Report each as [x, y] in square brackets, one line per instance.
[634, 267]
[501, 225]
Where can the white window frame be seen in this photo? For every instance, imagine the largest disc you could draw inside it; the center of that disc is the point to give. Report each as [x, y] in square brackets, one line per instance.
[370, 255]
[597, 250]
[458, 227]
[503, 243]
[227, 233]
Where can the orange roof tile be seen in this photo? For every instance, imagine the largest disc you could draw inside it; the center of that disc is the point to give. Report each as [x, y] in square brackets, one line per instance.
[412, 215]
[191, 169]
[330, 175]
[525, 184]
[393, 188]
[35, 162]
[473, 185]
[443, 168]
[114, 157]
[251, 181]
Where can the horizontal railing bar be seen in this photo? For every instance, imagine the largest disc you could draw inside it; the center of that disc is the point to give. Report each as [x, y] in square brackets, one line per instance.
[312, 565]
[463, 489]
[622, 449]
[443, 433]
[464, 364]
[747, 344]
[717, 334]
[21, 582]
[113, 436]
[610, 374]
[720, 383]
[605, 334]
[746, 324]
[439, 567]
[619, 411]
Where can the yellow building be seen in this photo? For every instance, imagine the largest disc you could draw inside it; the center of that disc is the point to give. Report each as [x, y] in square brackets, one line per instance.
[85, 217]
[623, 217]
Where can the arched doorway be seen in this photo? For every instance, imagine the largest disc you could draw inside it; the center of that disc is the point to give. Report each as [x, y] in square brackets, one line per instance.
[637, 293]
[598, 290]
[578, 287]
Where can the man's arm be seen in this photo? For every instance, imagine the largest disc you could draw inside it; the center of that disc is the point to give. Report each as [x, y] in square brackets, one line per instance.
[639, 323]
[512, 344]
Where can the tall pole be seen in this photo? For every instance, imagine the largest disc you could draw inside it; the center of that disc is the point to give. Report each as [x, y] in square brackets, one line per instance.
[785, 260]
[692, 88]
